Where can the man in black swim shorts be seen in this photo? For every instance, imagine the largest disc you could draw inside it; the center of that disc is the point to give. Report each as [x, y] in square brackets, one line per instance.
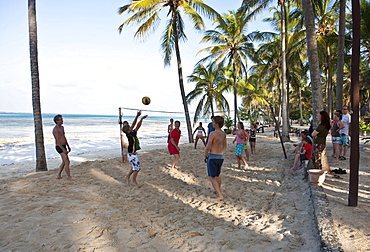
[62, 147]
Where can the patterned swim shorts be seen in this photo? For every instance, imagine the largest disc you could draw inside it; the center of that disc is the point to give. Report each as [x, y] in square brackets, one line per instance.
[344, 139]
[134, 159]
[335, 140]
[239, 149]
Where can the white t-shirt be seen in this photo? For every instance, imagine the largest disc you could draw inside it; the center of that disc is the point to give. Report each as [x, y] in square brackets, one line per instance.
[346, 120]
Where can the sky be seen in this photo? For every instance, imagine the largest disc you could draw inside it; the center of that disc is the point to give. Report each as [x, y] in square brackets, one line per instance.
[86, 66]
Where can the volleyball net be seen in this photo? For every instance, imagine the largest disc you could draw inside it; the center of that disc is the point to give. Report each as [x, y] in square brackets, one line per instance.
[154, 129]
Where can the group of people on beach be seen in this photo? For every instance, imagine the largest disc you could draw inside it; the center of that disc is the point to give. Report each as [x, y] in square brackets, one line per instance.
[312, 146]
[215, 147]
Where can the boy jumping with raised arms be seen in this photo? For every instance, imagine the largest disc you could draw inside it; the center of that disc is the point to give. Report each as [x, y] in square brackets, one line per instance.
[133, 147]
[213, 155]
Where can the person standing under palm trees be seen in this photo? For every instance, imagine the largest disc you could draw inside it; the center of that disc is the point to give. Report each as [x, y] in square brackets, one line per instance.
[345, 133]
[319, 135]
[214, 155]
[336, 126]
[173, 143]
[169, 129]
[199, 130]
[239, 139]
[252, 138]
[210, 129]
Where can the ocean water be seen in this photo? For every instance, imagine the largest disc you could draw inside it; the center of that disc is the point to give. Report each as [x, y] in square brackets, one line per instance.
[85, 133]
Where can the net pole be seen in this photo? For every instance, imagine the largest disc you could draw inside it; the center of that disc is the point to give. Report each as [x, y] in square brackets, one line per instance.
[120, 133]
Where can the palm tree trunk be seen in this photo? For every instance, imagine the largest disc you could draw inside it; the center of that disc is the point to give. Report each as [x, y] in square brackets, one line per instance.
[313, 59]
[181, 80]
[41, 164]
[285, 117]
[340, 59]
[300, 106]
[212, 109]
[235, 96]
[329, 93]
[355, 99]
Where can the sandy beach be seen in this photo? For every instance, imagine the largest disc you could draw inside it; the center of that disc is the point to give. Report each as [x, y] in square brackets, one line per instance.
[267, 207]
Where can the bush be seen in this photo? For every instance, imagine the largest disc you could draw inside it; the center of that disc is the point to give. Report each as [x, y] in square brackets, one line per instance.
[296, 114]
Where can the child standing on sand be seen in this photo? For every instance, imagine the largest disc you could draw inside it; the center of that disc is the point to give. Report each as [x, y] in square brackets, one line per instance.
[214, 154]
[252, 138]
[239, 139]
[133, 147]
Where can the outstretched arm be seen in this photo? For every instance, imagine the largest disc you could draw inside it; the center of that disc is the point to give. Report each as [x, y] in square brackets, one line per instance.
[135, 120]
[140, 122]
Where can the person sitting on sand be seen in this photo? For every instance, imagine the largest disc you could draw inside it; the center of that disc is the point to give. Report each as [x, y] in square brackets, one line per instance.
[61, 145]
[214, 154]
[239, 139]
[133, 147]
[199, 130]
[304, 153]
[304, 134]
[173, 143]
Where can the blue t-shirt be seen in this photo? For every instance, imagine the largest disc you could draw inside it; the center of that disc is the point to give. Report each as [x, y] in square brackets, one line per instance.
[210, 128]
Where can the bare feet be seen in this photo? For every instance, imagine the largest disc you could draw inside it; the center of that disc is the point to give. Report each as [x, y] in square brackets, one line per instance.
[220, 198]
[127, 179]
[59, 177]
[70, 179]
[136, 184]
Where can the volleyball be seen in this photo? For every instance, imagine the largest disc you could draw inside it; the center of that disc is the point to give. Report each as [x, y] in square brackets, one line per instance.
[146, 100]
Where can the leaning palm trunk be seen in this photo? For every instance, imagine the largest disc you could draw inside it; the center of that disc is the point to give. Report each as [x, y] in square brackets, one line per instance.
[285, 118]
[39, 135]
[181, 81]
[313, 59]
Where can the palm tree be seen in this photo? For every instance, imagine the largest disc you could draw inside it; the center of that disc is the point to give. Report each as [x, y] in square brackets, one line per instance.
[210, 85]
[327, 40]
[41, 164]
[257, 6]
[313, 59]
[147, 15]
[231, 47]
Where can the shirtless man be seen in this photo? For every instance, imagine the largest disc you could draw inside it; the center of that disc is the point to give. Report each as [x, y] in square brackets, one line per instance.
[61, 145]
[213, 155]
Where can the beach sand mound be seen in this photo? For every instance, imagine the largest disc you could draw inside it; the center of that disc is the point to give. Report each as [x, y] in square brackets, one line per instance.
[267, 206]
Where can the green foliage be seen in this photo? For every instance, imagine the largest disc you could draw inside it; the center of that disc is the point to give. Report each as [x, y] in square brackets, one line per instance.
[296, 114]
[228, 123]
[364, 126]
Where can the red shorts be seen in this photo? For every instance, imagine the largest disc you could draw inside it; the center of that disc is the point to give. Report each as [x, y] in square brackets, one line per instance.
[172, 150]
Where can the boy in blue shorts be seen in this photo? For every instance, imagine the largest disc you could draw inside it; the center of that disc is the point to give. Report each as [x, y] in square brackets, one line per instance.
[133, 147]
[214, 152]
